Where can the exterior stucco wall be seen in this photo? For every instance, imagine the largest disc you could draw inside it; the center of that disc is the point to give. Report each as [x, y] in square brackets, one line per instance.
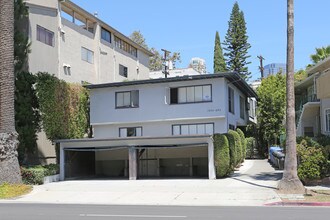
[43, 58]
[156, 116]
[325, 104]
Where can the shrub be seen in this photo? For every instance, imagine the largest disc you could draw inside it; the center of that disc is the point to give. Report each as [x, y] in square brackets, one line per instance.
[221, 155]
[35, 175]
[232, 149]
[51, 169]
[250, 146]
[311, 161]
[236, 146]
[243, 143]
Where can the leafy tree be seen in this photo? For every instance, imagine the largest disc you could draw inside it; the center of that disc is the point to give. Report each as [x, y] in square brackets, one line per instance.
[236, 43]
[321, 54]
[290, 182]
[271, 108]
[9, 167]
[219, 64]
[156, 61]
[138, 38]
[21, 40]
[300, 75]
[27, 117]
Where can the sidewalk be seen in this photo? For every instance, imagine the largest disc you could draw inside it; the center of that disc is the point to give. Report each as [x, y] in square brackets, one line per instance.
[252, 185]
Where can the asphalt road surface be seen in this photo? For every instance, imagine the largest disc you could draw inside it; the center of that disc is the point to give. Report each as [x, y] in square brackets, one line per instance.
[13, 211]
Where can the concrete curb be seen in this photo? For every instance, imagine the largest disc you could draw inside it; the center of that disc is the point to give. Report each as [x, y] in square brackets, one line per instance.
[324, 204]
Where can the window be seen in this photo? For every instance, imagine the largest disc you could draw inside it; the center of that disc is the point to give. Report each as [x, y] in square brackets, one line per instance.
[45, 36]
[191, 129]
[130, 132]
[231, 100]
[252, 108]
[231, 127]
[87, 55]
[191, 94]
[105, 35]
[128, 99]
[242, 107]
[123, 70]
[327, 120]
[67, 70]
[119, 43]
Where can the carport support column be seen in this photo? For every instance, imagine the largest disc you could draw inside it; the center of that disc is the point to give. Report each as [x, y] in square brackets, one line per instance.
[132, 163]
[62, 162]
[212, 175]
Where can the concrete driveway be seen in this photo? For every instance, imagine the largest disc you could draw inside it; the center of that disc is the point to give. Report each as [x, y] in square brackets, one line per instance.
[252, 185]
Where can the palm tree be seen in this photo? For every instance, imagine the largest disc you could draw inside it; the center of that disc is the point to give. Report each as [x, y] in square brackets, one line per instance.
[321, 54]
[9, 167]
[290, 182]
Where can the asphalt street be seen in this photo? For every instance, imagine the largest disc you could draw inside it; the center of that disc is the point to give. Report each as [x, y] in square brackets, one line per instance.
[11, 211]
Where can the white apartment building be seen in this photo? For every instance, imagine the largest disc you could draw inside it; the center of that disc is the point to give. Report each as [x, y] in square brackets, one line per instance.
[158, 127]
[76, 46]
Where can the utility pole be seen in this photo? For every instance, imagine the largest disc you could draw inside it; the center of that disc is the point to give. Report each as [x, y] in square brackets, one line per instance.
[261, 67]
[165, 62]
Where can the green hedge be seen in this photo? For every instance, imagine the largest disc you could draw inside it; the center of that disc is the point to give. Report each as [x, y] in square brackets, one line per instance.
[243, 143]
[311, 161]
[250, 146]
[35, 175]
[221, 155]
[232, 149]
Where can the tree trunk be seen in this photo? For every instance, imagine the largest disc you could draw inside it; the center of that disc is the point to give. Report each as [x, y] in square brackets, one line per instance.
[9, 167]
[290, 182]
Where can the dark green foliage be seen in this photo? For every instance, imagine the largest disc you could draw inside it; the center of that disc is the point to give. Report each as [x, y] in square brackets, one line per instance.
[34, 175]
[27, 117]
[243, 143]
[221, 155]
[236, 43]
[232, 149]
[250, 146]
[271, 110]
[235, 148]
[21, 40]
[311, 161]
[64, 107]
[219, 64]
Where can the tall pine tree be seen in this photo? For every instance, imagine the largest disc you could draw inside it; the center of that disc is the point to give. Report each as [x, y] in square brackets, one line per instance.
[236, 42]
[219, 64]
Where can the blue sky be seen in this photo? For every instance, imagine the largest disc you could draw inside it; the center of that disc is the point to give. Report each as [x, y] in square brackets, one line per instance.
[189, 26]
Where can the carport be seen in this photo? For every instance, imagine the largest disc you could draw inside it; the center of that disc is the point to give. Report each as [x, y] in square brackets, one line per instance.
[133, 156]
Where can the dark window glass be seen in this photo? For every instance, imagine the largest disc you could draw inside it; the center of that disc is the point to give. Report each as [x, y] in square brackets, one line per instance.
[106, 35]
[123, 70]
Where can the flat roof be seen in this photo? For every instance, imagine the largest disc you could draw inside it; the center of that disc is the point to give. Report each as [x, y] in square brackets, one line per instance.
[74, 6]
[232, 77]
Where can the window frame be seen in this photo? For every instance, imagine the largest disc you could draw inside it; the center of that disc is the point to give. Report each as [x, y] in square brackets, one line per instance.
[327, 120]
[124, 74]
[231, 101]
[107, 32]
[130, 106]
[190, 102]
[120, 128]
[242, 107]
[46, 31]
[180, 127]
[88, 52]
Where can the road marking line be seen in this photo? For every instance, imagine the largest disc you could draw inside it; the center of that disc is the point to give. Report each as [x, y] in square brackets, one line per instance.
[132, 216]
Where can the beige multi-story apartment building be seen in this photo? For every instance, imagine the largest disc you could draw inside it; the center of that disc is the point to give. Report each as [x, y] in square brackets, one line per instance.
[77, 46]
